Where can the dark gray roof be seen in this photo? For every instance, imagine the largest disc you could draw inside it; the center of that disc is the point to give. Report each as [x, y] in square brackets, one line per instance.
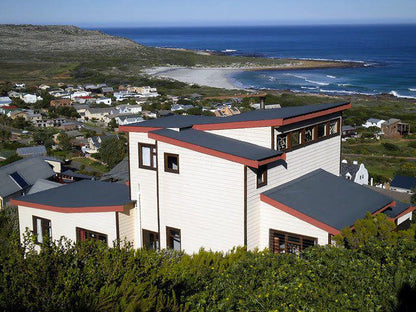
[119, 173]
[351, 168]
[327, 198]
[30, 169]
[269, 114]
[404, 182]
[71, 173]
[82, 194]
[347, 128]
[38, 150]
[42, 185]
[220, 143]
[393, 212]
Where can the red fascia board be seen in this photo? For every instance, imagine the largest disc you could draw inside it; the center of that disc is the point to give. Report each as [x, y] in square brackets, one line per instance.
[208, 151]
[299, 215]
[391, 204]
[68, 209]
[410, 209]
[316, 114]
[136, 129]
[273, 159]
[240, 124]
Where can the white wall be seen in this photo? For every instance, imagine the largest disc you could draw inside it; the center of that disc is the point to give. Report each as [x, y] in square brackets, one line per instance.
[128, 226]
[64, 224]
[205, 200]
[361, 176]
[273, 218]
[323, 154]
[143, 187]
[404, 218]
[260, 136]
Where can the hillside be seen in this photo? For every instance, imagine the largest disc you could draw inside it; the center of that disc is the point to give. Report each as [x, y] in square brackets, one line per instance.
[30, 52]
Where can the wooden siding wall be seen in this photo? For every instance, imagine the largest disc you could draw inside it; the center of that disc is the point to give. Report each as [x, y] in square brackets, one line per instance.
[259, 136]
[128, 228]
[324, 154]
[205, 200]
[272, 218]
[145, 180]
[64, 224]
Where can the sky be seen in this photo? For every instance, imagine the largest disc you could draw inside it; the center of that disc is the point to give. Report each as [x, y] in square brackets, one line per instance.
[139, 13]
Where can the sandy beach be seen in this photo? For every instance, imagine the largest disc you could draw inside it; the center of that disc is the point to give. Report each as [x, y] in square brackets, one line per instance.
[211, 77]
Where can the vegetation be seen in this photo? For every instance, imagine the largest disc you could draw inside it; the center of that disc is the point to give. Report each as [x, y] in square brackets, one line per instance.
[113, 150]
[378, 273]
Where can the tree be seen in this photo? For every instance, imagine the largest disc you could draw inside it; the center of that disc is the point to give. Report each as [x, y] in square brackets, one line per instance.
[112, 124]
[5, 135]
[64, 141]
[113, 150]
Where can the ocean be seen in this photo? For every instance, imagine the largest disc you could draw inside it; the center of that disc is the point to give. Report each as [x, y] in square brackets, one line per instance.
[387, 53]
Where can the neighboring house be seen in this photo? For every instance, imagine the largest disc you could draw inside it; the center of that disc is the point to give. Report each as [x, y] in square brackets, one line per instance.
[69, 176]
[100, 114]
[39, 150]
[373, 122]
[94, 143]
[61, 103]
[5, 101]
[354, 172]
[128, 119]
[128, 109]
[68, 126]
[31, 98]
[55, 163]
[107, 90]
[120, 172]
[280, 169]
[106, 101]
[19, 85]
[395, 128]
[45, 123]
[17, 178]
[348, 131]
[44, 87]
[403, 184]
[8, 110]
[79, 211]
[226, 110]
[179, 107]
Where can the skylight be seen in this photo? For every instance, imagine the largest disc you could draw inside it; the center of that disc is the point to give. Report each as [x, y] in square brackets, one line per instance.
[19, 180]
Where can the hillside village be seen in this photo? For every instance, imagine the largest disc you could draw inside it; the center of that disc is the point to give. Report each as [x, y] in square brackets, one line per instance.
[261, 154]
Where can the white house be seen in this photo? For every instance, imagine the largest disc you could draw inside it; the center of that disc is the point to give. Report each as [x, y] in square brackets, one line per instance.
[31, 98]
[128, 109]
[265, 178]
[103, 100]
[354, 172]
[128, 119]
[373, 122]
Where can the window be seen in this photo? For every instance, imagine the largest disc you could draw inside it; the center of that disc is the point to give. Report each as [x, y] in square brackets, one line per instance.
[333, 127]
[83, 234]
[309, 134]
[295, 138]
[147, 156]
[173, 238]
[261, 176]
[283, 242]
[41, 229]
[150, 240]
[281, 142]
[321, 130]
[171, 163]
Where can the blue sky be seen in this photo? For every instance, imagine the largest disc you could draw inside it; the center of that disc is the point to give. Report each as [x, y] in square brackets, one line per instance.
[90, 13]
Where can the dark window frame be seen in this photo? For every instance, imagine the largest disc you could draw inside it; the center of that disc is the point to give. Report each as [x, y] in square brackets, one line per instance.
[167, 169]
[261, 176]
[290, 240]
[46, 227]
[153, 165]
[156, 242]
[99, 235]
[169, 236]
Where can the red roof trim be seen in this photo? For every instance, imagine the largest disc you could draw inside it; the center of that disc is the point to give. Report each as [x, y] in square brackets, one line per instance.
[240, 124]
[317, 114]
[392, 204]
[68, 209]
[299, 215]
[136, 129]
[208, 151]
[410, 209]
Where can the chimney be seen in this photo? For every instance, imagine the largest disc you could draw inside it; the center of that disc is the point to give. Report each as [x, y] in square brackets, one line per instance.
[262, 102]
[344, 161]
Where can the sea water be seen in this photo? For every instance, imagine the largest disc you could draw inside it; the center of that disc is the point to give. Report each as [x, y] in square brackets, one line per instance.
[386, 53]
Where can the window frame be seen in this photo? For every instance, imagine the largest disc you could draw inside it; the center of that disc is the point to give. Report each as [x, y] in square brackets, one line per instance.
[78, 231]
[289, 242]
[261, 176]
[153, 165]
[156, 241]
[35, 228]
[169, 243]
[167, 169]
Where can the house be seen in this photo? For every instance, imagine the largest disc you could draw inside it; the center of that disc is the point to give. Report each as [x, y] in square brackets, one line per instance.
[265, 178]
[69, 125]
[31, 151]
[79, 211]
[280, 169]
[5, 101]
[373, 122]
[107, 90]
[69, 176]
[120, 172]
[226, 110]
[402, 183]
[31, 98]
[348, 131]
[128, 109]
[179, 107]
[19, 85]
[94, 143]
[103, 100]
[128, 119]
[61, 103]
[394, 128]
[100, 114]
[8, 110]
[44, 87]
[17, 178]
[354, 172]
